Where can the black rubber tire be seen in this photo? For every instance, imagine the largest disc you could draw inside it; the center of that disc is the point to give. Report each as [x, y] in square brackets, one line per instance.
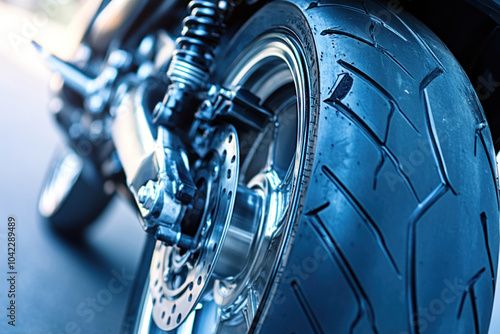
[397, 230]
[81, 204]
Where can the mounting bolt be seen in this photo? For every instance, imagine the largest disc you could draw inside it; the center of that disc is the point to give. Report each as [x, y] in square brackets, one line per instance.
[147, 195]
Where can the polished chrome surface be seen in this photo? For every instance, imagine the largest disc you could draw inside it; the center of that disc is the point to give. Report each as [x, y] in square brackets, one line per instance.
[74, 77]
[134, 140]
[242, 230]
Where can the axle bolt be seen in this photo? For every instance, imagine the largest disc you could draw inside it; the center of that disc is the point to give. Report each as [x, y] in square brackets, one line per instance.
[147, 194]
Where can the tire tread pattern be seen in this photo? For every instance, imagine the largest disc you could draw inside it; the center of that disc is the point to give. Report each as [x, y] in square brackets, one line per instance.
[317, 224]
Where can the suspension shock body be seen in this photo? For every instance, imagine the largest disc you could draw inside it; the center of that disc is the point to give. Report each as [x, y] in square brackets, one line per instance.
[189, 70]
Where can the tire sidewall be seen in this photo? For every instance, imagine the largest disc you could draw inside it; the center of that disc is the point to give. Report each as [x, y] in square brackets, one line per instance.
[285, 18]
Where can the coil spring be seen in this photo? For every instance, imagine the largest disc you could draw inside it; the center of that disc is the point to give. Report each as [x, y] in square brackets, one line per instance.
[195, 47]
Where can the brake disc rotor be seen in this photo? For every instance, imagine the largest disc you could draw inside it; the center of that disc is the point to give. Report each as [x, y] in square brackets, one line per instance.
[177, 278]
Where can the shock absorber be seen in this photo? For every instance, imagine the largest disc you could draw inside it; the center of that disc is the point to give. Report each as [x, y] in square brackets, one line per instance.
[189, 70]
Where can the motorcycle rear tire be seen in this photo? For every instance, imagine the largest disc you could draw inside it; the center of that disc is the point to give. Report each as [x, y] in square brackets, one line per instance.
[398, 229]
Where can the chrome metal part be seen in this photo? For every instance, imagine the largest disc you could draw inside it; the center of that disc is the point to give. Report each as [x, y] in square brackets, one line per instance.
[178, 278]
[153, 162]
[245, 221]
[238, 106]
[134, 139]
[73, 76]
[96, 91]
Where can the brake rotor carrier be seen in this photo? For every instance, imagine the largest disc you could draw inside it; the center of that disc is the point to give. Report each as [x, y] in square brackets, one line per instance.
[177, 278]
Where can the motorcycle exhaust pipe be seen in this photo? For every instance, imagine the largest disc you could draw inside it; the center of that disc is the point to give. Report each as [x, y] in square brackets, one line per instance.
[134, 136]
[155, 167]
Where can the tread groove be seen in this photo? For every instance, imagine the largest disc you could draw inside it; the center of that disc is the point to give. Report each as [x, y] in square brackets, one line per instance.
[382, 23]
[388, 27]
[422, 208]
[351, 8]
[375, 45]
[318, 209]
[347, 112]
[479, 133]
[372, 227]
[306, 307]
[338, 256]
[397, 62]
[378, 169]
[411, 287]
[479, 128]
[341, 89]
[377, 87]
[346, 34]
[431, 130]
[469, 290]
[389, 121]
[420, 41]
[484, 225]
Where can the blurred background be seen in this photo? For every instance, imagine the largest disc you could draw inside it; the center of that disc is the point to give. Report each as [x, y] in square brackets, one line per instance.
[58, 281]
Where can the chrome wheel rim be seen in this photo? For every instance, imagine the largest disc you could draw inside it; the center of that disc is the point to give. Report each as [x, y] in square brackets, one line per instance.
[270, 173]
